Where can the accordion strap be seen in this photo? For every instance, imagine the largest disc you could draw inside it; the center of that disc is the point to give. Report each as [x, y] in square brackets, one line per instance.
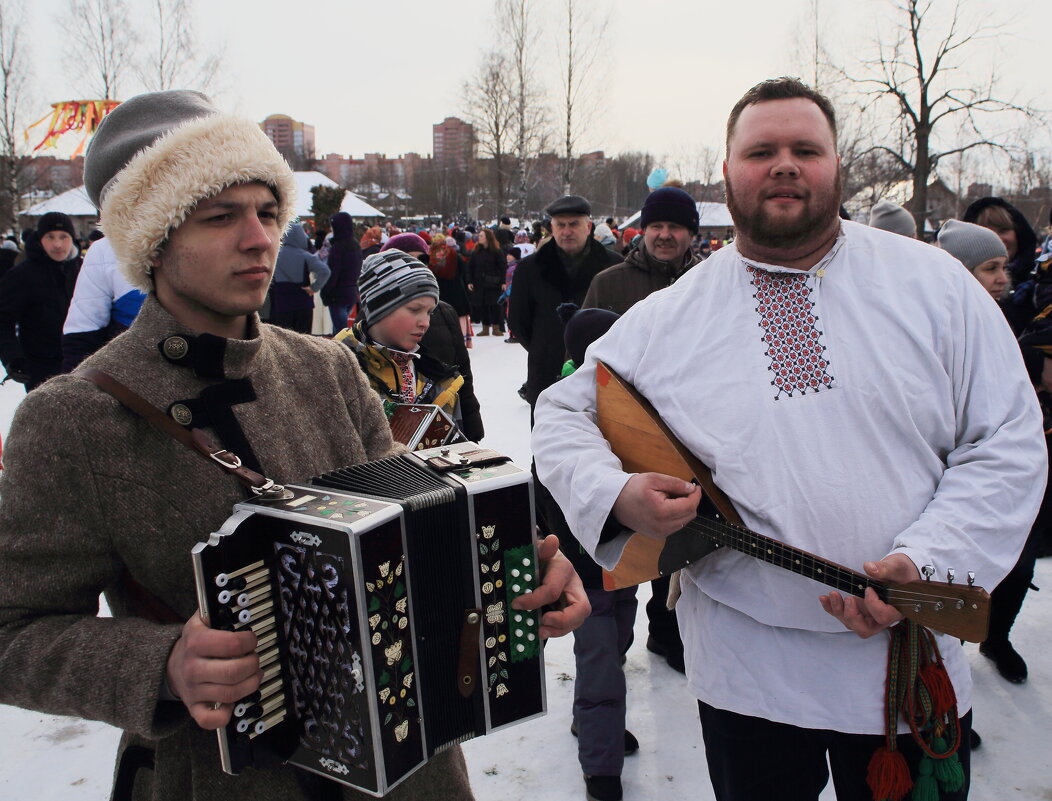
[193, 438]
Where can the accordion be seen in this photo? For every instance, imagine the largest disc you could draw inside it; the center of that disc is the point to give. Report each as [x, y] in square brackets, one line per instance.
[380, 595]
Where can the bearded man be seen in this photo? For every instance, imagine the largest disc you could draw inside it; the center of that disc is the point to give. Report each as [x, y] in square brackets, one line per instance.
[857, 396]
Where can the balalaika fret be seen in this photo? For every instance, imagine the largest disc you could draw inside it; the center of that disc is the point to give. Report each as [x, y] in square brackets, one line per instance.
[643, 443]
[380, 596]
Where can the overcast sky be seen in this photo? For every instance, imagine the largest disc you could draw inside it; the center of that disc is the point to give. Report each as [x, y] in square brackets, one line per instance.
[374, 76]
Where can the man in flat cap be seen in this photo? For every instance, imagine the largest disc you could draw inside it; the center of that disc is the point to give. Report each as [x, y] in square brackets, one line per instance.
[96, 500]
[559, 272]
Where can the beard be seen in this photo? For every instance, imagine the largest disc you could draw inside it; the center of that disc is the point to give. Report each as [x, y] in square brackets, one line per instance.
[820, 209]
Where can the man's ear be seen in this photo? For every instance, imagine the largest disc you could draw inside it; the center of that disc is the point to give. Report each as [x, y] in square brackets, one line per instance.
[724, 169]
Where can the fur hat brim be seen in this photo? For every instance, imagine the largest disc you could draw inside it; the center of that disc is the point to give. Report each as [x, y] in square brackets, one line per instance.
[163, 183]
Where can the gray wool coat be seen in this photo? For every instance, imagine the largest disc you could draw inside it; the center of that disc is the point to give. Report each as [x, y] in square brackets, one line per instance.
[90, 490]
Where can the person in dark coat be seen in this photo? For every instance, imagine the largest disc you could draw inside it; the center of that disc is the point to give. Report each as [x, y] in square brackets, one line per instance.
[340, 293]
[1019, 302]
[9, 254]
[504, 233]
[297, 276]
[34, 299]
[559, 272]
[447, 265]
[486, 269]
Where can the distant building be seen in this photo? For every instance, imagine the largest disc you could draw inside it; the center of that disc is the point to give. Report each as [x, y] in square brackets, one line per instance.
[52, 174]
[453, 143]
[292, 138]
[373, 173]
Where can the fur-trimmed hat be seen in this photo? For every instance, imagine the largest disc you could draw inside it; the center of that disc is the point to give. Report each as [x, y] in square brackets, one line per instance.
[391, 279]
[157, 155]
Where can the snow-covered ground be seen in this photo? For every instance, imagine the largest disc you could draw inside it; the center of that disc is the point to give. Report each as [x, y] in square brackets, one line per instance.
[46, 758]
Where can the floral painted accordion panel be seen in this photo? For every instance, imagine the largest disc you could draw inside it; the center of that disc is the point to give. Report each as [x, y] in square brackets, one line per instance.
[420, 426]
[380, 596]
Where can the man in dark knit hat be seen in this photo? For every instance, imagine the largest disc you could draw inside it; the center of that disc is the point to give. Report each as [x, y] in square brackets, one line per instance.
[96, 500]
[34, 299]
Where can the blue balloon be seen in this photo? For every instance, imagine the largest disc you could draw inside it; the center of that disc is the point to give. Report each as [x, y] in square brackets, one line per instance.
[657, 177]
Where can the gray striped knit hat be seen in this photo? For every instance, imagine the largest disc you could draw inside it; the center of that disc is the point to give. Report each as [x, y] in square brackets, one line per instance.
[391, 279]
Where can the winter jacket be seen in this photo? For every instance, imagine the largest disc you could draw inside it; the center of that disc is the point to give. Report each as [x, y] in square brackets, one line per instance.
[34, 299]
[345, 264]
[138, 501]
[451, 285]
[436, 382]
[7, 260]
[104, 304]
[444, 341]
[620, 287]
[542, 283]
[296, 269]
[486, 275]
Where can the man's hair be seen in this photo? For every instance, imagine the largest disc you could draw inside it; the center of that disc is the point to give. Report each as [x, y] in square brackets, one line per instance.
[780, 89]
[505, 220]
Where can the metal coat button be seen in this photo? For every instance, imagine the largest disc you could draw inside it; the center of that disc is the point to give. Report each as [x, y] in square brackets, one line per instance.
[176, 348]
[181, 413]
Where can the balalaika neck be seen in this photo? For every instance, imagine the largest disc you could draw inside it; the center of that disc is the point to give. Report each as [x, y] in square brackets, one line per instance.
[776, 553]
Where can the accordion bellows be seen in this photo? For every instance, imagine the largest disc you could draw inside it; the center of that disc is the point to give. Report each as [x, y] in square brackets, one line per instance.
[381, 600]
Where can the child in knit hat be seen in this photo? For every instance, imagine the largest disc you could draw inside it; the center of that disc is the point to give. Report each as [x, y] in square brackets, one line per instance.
[398, 294]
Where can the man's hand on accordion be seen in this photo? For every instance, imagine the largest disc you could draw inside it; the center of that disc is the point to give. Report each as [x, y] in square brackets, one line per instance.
[209, 670]
[560, 585]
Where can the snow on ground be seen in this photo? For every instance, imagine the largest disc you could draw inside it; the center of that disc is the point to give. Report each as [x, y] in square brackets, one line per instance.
[47, 758]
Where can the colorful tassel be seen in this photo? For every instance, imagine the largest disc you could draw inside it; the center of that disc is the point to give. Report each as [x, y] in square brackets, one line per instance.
[940, 688]
[888, 775]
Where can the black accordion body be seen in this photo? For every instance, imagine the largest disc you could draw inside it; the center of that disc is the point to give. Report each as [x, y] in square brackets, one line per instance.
[380, 596]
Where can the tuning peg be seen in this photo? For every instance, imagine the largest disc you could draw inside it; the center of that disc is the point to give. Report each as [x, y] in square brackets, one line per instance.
[928, 571]
[971, 578]
[951, 574]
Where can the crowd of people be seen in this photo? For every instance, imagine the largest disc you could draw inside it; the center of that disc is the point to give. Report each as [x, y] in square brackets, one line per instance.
[853, 391]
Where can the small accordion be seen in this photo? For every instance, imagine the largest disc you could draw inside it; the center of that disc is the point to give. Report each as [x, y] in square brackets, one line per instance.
[380, 595]
[420, 426]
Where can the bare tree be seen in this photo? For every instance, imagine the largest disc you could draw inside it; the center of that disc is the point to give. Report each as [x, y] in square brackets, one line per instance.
[14, 77]
[174, 59]
[492, 111]
[102, 42]
[698, 167]
[531, 119]
[582, 46]
[918, 74]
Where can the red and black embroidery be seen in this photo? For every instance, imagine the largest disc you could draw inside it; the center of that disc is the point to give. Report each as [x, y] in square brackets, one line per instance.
[791, 335]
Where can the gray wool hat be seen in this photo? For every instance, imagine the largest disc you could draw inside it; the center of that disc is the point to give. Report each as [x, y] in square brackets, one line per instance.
[970, 244]
[389, 280]
[157, 155]
[892, 217]
[131, 128]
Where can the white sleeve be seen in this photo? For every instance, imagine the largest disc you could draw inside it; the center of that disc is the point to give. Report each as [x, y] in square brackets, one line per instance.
[994, 481]
[574, 461]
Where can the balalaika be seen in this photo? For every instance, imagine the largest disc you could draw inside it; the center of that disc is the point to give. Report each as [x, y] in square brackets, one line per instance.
[380, 596]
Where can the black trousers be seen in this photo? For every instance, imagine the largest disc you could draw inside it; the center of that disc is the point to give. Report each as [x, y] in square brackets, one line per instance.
[752, 759]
